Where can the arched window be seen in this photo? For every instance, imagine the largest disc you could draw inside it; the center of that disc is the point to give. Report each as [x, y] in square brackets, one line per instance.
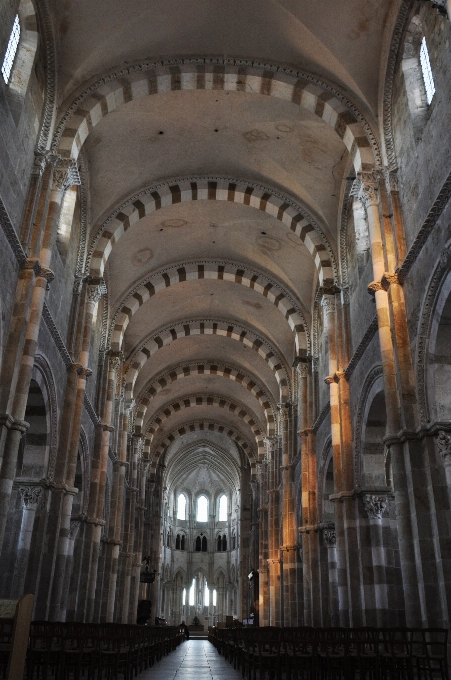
[426, 70]
[418, 78]
[184, 596]
[202, 509]
[181, 506]
[177, 542]
[223, 509]
[11, 50]
[233, 541]
[224, 543]
[206, 596]
[219, 546]
[198, 544]
[192, 592]
[204, 544]
[215, 595]
[182, 542]
[168, 539]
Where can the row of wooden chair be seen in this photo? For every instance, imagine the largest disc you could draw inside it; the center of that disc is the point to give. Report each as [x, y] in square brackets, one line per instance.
[335, 653]
[95, 651]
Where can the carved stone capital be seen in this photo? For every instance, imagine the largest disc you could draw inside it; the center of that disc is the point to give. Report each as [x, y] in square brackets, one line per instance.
[440, 6]
[271, 444]
[444, 446]
[114, 361]
[65, 173]
[328, 302]
[74, 527]
[368, 190]
[375, 286]
[388, 279]
[94, 293]
[30, 496]
[107, 428]
[45, 273]
[374, 505]
[391, 180]
[330, 537]
[339, 375]
[330, 379]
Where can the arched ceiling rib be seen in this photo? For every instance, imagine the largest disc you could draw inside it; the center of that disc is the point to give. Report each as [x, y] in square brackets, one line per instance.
[212, 271]
[211, 374]
[214, 336]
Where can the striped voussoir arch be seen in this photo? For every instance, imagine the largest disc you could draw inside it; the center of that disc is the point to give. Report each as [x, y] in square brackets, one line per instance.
[107, 94]
[205, 368]
[223, 271]
[214, 401]
[223, 329]
[197, 426]
[213, 189]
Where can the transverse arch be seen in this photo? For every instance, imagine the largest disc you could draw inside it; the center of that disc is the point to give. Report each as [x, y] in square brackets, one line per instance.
[214, 401]
[220, 271]
[205, 368]
[208, 327]
[186, 190]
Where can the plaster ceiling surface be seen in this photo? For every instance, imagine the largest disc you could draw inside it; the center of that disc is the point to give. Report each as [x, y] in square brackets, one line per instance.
[340, 40]
[209, 299]
[207, 385]
[205, 229]
[209, 348]
[238, 134]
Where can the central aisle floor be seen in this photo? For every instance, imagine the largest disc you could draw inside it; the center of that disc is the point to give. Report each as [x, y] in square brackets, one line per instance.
[192, 660]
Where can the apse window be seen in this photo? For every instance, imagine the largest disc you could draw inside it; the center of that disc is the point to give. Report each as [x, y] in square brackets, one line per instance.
[427, 71]
[11, 50]
[202, 509]
[181, 507]
[223, 509]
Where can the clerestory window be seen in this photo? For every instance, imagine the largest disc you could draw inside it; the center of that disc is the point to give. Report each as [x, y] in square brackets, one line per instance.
[202, 509]
[181, 506]
[223, 509]
[426, 70]
[11, 50]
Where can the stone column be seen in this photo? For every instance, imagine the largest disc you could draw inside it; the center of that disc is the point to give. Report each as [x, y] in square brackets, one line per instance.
[30, 497]
[129, 525]
[369, 196]
[263, 554]
[375, 506]
[275, 595]
[98, 478]
[289, 528]
[330, 540]
[14, 395]
[117, 500]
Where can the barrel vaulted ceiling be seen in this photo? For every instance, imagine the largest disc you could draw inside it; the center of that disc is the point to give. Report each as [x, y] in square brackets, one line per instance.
[217, 136]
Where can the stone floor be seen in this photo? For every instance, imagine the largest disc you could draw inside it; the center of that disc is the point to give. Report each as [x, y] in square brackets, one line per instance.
[192, 660]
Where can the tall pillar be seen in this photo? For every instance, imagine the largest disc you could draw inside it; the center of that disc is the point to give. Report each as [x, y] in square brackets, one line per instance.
[290, 546]
[14, 394]
[30, 497]
[263, 553]
[275, 593]
[369, 196]
[98, 479]
[114, 542]
[330, 540]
